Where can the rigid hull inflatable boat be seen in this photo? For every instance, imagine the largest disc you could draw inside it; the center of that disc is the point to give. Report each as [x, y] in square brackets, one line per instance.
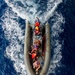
[44, 50]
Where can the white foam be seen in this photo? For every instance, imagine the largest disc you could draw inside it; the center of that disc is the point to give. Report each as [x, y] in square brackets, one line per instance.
[56, 30]
[51, 6]
[13, 32]
[25, 12]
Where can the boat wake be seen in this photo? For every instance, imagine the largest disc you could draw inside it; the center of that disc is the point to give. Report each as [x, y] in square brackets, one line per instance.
[28, 10]
[56, 44]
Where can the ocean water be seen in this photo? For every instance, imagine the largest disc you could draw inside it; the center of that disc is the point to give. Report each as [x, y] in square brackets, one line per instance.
[13, 17]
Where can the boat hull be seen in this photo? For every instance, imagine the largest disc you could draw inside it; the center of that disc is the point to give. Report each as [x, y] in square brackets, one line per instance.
[27, 45]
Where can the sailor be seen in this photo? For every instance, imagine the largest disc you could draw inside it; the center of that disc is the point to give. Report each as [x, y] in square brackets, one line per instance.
[37, 29]
[37, 26]
[34, 47]
[33, 55]
[38, 43]
[36, 65]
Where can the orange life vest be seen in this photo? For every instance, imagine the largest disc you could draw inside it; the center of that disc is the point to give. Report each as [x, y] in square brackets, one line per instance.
[33, 55]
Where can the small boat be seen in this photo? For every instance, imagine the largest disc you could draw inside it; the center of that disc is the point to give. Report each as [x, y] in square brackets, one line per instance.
[44, 51]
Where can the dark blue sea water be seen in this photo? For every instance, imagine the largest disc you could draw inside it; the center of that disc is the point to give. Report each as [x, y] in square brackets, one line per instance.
[65, 64]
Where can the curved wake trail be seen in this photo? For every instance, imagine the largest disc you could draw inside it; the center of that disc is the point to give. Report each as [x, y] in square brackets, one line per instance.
[16, 39]
[56, 44]
[28, 10]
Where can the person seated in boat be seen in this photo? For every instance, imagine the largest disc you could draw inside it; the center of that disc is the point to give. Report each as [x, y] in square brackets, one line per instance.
[34, 47]
[38, 43]
[37, 26]
[37, 30]
[33, 55]
[36, 65]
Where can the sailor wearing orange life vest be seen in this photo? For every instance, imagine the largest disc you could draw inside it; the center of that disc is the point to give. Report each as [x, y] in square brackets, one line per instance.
[37, 26]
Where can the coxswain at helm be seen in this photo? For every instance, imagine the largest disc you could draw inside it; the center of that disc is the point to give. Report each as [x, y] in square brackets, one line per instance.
[37, 26]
